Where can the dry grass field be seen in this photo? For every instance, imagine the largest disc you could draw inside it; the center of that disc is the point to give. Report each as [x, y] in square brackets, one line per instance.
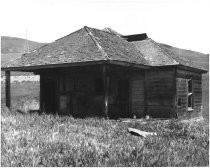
[47, 140]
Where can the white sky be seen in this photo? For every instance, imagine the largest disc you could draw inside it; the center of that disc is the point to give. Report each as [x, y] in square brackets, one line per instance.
[180, 23]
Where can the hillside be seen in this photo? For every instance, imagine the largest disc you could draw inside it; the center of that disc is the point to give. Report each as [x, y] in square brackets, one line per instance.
[200, 59]
[13, 47]
[16, 45]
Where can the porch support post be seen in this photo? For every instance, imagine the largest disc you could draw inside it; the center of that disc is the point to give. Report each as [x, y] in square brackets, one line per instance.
[41, 92]
[106, 90]
[7, 89]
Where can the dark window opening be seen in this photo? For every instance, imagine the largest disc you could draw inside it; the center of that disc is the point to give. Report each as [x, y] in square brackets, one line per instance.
[99, 86]
[190, 95]
[190, 101]
[179, 103]
[190, 86]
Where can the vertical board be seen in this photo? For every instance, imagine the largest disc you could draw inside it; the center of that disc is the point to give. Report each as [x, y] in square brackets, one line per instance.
[8, 94]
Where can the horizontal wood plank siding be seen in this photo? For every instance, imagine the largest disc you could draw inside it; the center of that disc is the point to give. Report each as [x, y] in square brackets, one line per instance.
[160, 94]
[183, 76]
[137, 96]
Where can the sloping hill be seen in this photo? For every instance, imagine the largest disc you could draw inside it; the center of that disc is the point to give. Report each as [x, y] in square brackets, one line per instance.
[200, 59]
[16, 45]
[13, 47]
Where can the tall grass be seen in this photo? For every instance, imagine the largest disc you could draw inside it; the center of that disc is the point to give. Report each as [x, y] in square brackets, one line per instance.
[50, 140]
[47, 140]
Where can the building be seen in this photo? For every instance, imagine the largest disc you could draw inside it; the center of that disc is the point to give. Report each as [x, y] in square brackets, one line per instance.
[93, 72]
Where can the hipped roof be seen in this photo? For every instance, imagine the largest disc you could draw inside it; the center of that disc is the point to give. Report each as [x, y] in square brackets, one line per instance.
[92, 45]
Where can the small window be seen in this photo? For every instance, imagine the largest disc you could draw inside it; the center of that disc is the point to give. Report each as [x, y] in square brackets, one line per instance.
[99, 87]
[190, 101]
[190, 95]
[190, 86]
[179, 102]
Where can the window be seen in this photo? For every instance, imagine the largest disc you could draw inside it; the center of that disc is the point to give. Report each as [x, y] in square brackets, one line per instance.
[179, 103]
[190, 95]
[99, 87]
[190, 86]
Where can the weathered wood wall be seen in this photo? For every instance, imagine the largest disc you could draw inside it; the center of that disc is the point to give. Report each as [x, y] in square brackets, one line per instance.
[182, 90]
[75, 92]
[137, 96]
[154, 92]
[136, 89]
[48, 92]
[160, 92]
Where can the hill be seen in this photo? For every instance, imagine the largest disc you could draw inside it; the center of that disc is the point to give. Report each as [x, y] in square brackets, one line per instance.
[13, 47]
[16, 45]
[199, 59]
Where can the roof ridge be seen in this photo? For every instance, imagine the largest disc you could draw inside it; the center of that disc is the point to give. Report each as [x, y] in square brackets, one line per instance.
[100, 48]
[102, 30]
[163, 51]
[66, 35]
[112, 33]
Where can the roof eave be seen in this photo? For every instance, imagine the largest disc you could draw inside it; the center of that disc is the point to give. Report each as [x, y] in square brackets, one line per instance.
[38, 67]
[192, 68]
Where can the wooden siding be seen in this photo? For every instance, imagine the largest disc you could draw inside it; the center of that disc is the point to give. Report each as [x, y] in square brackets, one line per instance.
[183, 76]
[75, 92]
[181, 85]
[160, 93]
[137, 96]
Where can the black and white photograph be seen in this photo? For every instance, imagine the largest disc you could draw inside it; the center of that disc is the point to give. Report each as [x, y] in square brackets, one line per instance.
[105, 83]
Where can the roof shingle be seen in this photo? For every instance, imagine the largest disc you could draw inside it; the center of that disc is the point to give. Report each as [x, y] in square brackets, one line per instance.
[86, 44]
[89, 44]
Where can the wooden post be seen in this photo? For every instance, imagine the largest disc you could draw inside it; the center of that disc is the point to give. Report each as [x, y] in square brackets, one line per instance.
[175, 94]
[41, 93]
[145, 92]
[106, 90]
[7, 89]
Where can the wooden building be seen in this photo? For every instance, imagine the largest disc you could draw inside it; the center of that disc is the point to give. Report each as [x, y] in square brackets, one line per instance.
[94, 72]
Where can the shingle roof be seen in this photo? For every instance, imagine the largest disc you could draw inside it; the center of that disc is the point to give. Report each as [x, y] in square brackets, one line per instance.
[86, 44]
[182, 59]
[160, 56]
[107, 29]
[91, 45]
[153, 53]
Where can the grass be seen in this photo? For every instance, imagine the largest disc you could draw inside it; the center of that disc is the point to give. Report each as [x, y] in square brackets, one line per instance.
[47, 140]
[50, 140]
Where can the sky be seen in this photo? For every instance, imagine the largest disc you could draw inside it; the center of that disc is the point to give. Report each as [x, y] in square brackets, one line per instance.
[180, 23]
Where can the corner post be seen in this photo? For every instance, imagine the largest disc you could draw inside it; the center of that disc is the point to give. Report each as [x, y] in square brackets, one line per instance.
[175, 94]
[7, 89]
[145, 93]
[106, 90]
[41, 92]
